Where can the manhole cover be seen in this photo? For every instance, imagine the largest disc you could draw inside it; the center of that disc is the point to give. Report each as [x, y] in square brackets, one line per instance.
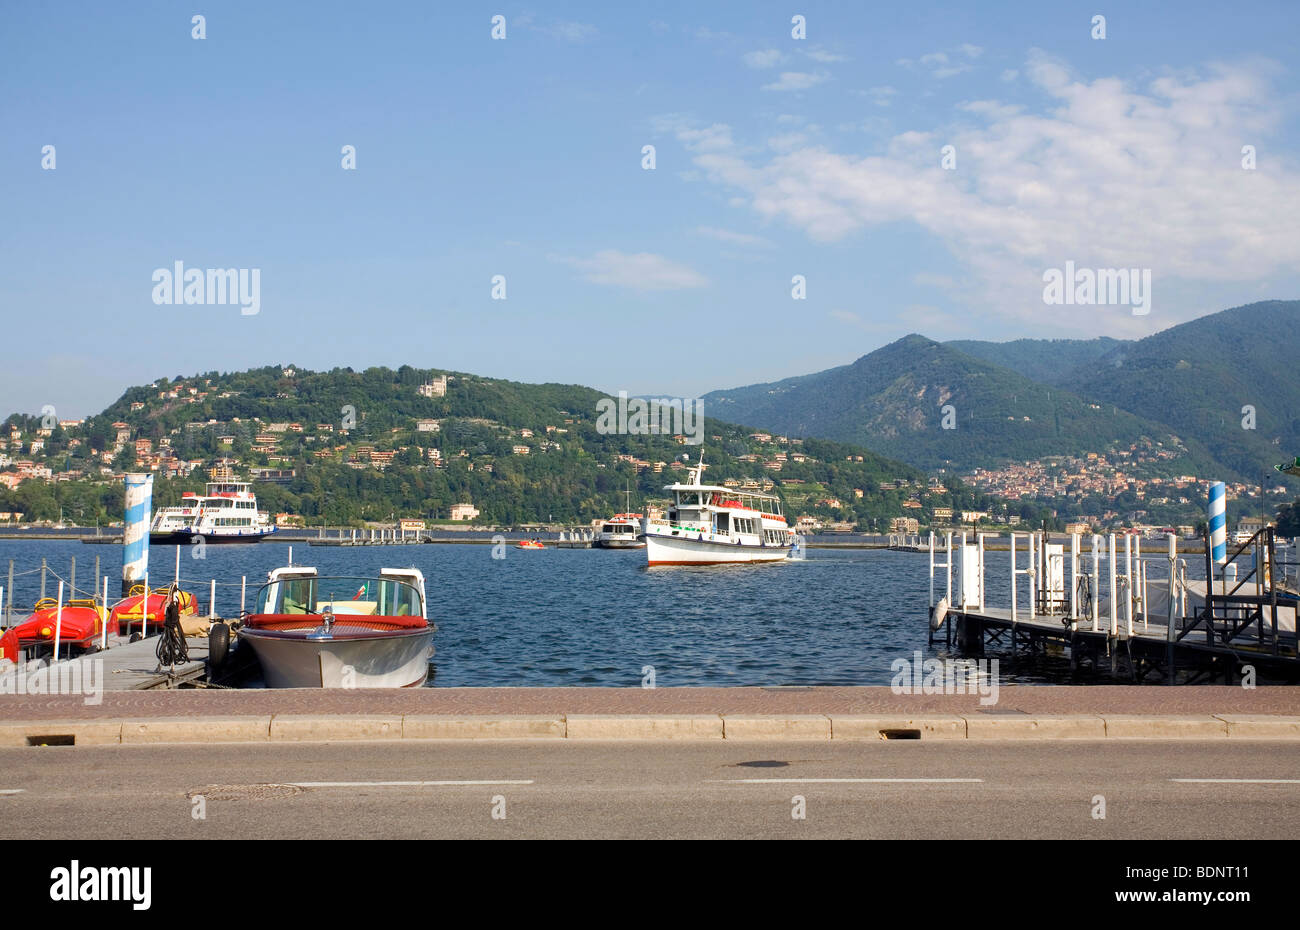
[245, 792]
[763, 764]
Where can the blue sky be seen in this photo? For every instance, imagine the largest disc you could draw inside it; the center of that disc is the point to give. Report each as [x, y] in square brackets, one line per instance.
[774, 157]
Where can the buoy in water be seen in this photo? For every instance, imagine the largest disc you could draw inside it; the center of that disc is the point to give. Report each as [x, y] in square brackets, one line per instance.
[938, 613]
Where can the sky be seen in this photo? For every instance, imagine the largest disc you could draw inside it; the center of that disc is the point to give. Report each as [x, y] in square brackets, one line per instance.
[521, 159]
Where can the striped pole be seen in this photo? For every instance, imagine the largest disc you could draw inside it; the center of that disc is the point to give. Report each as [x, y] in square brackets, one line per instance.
[1218, 520]
[135, 535]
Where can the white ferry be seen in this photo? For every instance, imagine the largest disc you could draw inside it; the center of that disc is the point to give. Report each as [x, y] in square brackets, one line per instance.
[709, 524]
[621, 531]
[226, 512]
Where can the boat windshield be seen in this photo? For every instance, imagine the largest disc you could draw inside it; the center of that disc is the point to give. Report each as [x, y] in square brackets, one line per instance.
[371, 597]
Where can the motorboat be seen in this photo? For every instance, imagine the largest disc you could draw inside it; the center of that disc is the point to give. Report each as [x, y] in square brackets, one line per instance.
[314, 631]
[621, 531]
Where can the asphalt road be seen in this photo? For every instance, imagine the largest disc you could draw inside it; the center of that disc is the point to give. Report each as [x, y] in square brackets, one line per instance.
[568, 789]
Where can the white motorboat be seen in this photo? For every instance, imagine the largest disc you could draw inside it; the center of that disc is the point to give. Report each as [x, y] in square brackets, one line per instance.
[621, 531]
[313, 631]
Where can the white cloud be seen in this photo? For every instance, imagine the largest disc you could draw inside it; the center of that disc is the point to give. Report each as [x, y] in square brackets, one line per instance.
[940, 65]
[1111, 176]
[880, 96]
[797, 80]
[733, 238]
[825, 57]
[767, 58]
[642, 271]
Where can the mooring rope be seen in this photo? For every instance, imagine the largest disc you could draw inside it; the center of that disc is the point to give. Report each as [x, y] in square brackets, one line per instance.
[172, 648]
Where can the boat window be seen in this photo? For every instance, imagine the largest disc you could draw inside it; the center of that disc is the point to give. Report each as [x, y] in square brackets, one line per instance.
[386, 597]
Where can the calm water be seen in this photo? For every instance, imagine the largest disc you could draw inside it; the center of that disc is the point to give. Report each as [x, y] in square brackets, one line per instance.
[594, 617]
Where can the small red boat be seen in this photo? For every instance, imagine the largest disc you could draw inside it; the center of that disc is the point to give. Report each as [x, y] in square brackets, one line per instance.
[80, 627]
[530, 544]
[126, 612]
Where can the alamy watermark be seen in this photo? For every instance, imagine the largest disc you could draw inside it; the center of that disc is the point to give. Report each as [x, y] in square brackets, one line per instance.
[657, 416]
[1115, 286]
[179, 285]
[83, 676]
[919, 675]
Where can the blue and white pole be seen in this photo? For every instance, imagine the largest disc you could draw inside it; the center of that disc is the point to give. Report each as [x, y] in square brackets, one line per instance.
[135, 537]
[1218, 519]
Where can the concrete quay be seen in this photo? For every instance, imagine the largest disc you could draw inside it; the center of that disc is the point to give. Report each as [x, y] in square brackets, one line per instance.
[734, 714]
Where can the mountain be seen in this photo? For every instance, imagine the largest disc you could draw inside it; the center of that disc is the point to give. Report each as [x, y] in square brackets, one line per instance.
[895, 400]
[1048, 361]
[1200, 377]
[368, 445]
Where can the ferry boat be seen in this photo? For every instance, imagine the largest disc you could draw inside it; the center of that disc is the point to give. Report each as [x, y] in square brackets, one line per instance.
[226, 512]
[314, 631]
[708, 524]
[621, 531]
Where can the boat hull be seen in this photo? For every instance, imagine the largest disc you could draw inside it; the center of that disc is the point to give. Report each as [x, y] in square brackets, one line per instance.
[618, 543]
[185, 537]
[680, 550]
[384, 660]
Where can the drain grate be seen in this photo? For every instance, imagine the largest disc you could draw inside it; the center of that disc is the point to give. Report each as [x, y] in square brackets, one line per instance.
[900, 733]
[54, 739]
[245, 792]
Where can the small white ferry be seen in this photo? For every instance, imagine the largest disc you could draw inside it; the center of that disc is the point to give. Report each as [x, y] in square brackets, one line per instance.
[226, 512]
[709, 524]
[621, 531]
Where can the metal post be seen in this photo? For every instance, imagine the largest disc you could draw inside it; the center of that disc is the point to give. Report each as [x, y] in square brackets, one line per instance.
[932, 569]
[1033, 575]
[948, 568]
[1128, 583]
[212, 600]
[58, 623]
[144, 608]
[9, 614]
[1013, 581]
[1074, 576]
[177, 577]
[95, 576]
[1096, 582]
[979, 542]
[1114, 590]
[103, 636]
[72, 579]
[243, 584]
[42, 578]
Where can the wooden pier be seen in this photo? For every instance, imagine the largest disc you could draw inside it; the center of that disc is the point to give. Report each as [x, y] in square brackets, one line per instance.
[1118, 617]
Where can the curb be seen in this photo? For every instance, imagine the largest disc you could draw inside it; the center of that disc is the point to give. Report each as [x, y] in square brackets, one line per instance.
[734, 728]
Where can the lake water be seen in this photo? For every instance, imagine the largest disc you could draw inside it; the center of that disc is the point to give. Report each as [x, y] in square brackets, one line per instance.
[575, 617]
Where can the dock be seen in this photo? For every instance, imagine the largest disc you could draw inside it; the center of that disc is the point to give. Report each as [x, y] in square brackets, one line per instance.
[123, 666]
[1123, 615]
